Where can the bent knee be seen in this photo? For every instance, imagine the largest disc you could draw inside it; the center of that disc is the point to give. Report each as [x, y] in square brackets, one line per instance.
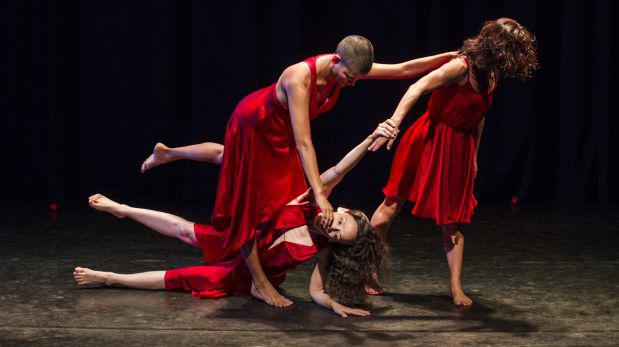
[391, 206]
[220, 154]
[451, 235]
[184, 230]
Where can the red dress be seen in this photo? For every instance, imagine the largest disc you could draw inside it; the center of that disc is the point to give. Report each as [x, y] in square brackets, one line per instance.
[260, 170]
[434, 163]
[232, 276]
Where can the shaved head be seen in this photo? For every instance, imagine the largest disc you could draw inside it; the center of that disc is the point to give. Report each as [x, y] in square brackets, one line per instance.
[357, 53]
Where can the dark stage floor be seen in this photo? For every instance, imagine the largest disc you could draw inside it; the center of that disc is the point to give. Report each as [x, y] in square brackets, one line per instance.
[541, 275]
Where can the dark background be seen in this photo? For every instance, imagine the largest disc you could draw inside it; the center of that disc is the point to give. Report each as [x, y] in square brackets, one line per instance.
[91, 86]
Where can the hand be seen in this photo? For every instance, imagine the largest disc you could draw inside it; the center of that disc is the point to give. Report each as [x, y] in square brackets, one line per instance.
[302, 199]
[327, 211]
[344, 311]
[387, 129]
[390, 125]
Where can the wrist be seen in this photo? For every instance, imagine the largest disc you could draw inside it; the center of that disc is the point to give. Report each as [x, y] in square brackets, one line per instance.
[396, 119]
[319, 193]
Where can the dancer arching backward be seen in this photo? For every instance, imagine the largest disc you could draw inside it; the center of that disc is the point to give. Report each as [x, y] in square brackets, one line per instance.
[436, 161]
[348, 254]
[269, 145]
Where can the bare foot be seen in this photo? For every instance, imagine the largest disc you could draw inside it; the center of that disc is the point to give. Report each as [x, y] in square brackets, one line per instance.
[160, 156]
[458, 297]
[84, 275]
[373, 287]
[269, 295]
[101, 203]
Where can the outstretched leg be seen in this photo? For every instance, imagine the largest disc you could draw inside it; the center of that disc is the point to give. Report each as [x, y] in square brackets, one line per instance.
[453, 245]
[381, 222]
[209, 152]
[161, 222]
[153, 280]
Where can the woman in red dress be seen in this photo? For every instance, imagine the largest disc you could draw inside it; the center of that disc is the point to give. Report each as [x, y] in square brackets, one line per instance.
[349, 253]
[269, 150]
[435, 163]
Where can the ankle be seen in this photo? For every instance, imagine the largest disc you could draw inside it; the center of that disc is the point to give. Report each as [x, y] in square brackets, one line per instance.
[262, 284]
[108, 278]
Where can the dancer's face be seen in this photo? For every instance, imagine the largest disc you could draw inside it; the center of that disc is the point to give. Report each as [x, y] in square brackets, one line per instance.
[346, 77]
[343, 229]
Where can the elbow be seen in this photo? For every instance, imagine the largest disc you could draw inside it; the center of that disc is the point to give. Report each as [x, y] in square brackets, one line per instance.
[414, 91]
[315, 295]
[303, 146]
[412, 71]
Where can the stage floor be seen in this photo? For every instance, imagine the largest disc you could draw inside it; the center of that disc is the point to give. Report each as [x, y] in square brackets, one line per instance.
[540, 275]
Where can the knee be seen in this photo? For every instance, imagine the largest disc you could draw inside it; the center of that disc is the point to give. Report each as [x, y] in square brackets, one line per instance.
[388, 209]
[451, 235]
[184, 229]
[219, 155]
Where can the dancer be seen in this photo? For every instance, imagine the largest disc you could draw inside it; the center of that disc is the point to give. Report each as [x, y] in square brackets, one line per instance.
[347, 255]
[435, 163]
[269, 145]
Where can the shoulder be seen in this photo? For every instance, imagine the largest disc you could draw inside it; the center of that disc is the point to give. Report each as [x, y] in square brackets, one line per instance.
[323, 255]
[455, 67]
[296, 75]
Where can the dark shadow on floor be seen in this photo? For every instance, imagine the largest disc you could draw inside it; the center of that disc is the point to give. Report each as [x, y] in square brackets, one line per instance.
[489, 314]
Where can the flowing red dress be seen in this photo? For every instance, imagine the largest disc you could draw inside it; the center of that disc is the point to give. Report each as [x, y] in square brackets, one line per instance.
[229, 277]
[433, 165]
[260, 170]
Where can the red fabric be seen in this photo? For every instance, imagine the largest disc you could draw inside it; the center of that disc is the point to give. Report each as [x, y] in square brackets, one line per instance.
[228, 277]
[260, 170]
[434, 163]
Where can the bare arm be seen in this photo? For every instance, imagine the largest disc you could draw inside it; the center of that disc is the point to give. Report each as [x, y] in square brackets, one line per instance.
[409, 69]
[298, 97]
[480, 130]
[334, 174]
[448, 73]
[317, 289]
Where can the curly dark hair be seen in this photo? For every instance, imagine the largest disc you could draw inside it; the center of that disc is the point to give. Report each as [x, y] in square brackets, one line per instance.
[351, 266]
[502, 46]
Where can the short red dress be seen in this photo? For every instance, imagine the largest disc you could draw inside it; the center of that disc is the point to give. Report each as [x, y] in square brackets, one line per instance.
[433, 165]
[261, 170]
[231, 276]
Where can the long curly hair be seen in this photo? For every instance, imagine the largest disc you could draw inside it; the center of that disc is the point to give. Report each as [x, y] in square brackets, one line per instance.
[502, 46]
[351, 266]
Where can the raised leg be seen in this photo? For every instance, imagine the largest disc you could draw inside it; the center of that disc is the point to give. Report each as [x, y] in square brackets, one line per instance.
[453, 245]
[209, 152]
[161, 222]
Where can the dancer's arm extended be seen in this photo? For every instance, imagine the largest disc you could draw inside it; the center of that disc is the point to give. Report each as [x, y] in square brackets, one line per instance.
[480, 130]
[334, 174]
[409, 69]
[317, 289]
[446, 74]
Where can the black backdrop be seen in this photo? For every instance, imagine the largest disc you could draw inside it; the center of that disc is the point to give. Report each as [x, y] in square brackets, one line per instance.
[90, 86]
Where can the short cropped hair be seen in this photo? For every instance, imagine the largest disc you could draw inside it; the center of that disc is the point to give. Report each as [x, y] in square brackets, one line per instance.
[357, 53]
